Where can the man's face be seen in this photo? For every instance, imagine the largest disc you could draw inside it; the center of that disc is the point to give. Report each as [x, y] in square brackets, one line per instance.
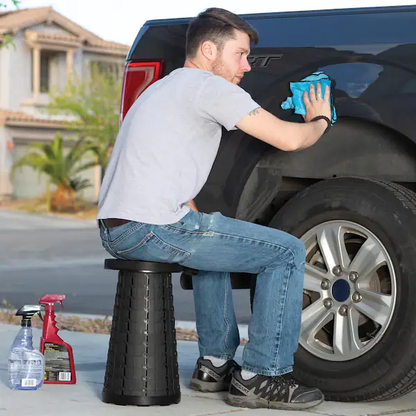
[231, 63]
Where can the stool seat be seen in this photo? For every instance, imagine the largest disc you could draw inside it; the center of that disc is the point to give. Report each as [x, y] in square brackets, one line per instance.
[143, 266]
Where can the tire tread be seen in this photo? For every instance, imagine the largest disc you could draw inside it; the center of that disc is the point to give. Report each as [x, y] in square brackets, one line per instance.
[408, 383]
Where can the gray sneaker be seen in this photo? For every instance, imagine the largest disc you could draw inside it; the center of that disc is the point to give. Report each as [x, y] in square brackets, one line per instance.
[277, 392]
[209, 379]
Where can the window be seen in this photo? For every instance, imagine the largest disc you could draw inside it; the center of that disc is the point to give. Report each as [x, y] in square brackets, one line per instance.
[105, 67]
[44, 72]
[48, 70]
[342, 28]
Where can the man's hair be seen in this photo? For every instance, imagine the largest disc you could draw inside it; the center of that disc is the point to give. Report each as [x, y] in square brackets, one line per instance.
[216, 25]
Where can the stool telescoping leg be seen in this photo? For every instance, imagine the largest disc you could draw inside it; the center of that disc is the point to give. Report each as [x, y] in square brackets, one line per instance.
[142, 362]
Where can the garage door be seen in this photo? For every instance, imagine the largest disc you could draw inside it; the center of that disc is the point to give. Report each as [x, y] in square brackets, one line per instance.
[27, 183]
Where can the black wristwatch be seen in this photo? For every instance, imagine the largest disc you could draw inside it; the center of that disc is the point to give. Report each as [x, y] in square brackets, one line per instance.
[323, 118]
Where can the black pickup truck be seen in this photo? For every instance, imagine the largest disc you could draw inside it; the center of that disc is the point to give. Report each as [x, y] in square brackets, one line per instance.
[350, 198]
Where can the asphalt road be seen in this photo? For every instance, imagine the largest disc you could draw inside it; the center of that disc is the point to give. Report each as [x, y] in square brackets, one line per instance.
[40, 255]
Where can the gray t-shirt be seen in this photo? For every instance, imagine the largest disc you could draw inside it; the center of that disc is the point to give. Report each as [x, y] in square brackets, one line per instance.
[167, 145]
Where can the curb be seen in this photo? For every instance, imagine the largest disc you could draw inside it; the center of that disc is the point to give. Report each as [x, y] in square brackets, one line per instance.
[190, 325]
[91, 221]
[187, 325]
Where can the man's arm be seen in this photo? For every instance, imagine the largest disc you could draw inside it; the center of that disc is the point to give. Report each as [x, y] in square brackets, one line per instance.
[289, 136]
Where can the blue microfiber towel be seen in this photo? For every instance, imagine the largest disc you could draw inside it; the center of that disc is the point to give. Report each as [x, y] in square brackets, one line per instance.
[298, 88]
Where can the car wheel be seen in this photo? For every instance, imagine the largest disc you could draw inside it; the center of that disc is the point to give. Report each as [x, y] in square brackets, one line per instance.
[357, 339]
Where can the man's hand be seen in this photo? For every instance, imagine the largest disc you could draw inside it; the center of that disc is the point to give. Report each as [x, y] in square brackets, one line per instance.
[316, 105]
[289, 136]
[192, 205]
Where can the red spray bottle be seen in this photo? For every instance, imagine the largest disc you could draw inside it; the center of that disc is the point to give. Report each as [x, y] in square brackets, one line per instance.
[59, 358]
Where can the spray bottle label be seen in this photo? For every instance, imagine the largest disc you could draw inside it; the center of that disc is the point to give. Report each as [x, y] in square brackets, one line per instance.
[57, 364]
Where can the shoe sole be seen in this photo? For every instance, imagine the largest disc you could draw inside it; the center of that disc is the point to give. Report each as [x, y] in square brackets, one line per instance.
[260, 403]
[209, 387]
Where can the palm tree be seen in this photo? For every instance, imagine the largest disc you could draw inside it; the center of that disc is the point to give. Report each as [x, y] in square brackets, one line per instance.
[62, 170]
[93, 104]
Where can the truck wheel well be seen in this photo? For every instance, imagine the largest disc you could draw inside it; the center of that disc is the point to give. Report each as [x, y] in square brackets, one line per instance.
[352, 148]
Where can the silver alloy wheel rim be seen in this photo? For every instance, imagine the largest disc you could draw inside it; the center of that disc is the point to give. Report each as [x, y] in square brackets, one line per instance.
[336, 329]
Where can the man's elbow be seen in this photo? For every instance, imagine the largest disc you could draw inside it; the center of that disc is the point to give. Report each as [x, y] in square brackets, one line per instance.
[287, 145]
[292, 147]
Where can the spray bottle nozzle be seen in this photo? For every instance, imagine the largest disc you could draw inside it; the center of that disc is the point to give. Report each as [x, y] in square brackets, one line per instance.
[52, 299]
[28, 310]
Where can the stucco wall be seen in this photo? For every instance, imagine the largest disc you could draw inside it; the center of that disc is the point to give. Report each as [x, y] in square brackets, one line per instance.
[52, 28]
[17, 74]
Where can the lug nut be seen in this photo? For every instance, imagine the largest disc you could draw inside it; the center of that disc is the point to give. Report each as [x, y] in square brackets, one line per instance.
[357, 297]
[337, 271]
[328, 303]
[353, 276]
[343, 310]
[325, 284]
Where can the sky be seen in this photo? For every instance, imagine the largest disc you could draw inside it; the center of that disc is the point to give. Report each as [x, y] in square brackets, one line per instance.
[121, 20]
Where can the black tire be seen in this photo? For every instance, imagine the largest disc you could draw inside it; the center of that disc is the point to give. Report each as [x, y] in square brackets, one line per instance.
[387, 210]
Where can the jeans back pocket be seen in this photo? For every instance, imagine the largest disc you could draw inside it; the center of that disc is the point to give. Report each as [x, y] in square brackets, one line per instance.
[153, 248]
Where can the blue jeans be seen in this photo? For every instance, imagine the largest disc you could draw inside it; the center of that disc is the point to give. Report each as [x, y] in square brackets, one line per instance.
[216, 245]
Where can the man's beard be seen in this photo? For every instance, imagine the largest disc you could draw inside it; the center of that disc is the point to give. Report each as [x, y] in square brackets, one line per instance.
[218, 68]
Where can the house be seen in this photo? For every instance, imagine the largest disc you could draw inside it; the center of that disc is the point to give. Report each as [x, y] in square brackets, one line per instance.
[47, 49]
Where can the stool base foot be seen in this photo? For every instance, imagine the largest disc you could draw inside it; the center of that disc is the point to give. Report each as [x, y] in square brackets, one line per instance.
[140, 400]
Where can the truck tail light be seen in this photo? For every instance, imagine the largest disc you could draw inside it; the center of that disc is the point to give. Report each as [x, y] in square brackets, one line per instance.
[137, 77]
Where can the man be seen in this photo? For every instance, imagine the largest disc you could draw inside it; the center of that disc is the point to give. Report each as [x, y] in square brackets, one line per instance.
[162, 157]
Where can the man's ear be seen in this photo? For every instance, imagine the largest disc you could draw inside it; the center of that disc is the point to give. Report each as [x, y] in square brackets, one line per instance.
[209, 50]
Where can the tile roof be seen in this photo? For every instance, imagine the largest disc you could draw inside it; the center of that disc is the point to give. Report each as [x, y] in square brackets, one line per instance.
[15, 20]
[12, 21]
[8, 117]
[110, 45]
[57, 36]
[32, 34]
